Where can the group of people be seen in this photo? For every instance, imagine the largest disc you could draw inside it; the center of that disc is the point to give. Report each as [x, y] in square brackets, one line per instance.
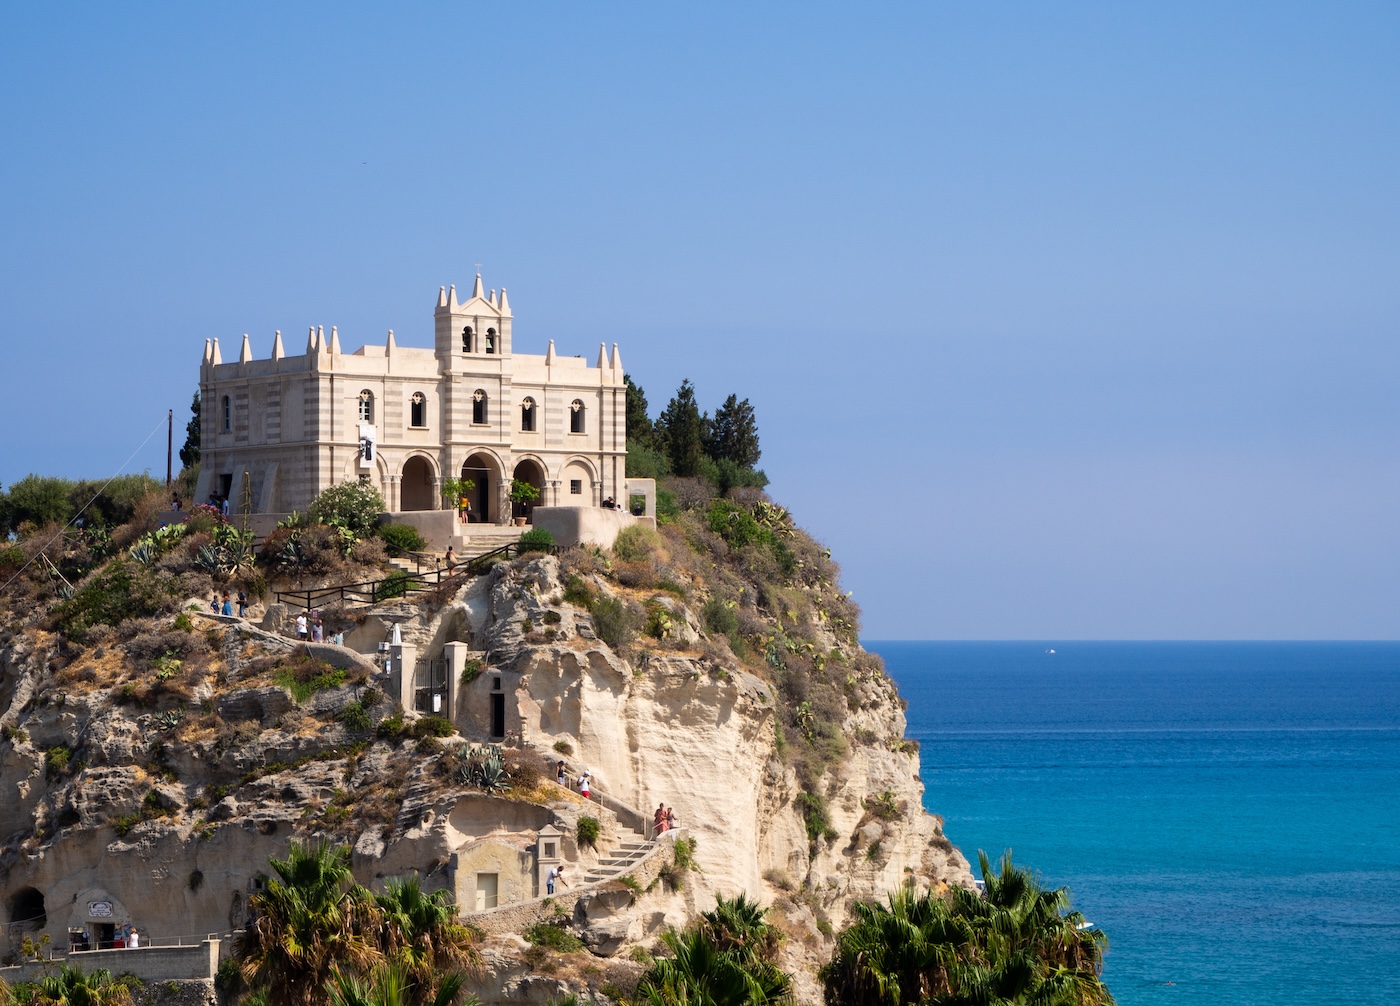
[122, 936]
[218, 504]
[585, 781]
[224, 606]
[664, 819]
[312, 628]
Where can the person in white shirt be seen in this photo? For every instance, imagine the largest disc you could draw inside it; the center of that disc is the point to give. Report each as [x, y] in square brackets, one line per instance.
[556, 873]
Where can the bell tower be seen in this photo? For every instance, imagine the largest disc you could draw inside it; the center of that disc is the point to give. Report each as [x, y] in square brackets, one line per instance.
[472, 332]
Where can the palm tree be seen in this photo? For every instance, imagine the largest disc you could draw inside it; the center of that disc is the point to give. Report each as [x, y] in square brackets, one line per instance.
[310, 916]
[738, 925]
[698, 973]
[71, 987]
[390, 984]
[421, 935]
[1017, 944]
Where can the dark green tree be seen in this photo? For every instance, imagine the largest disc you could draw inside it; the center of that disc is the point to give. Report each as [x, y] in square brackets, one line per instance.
[733, 434]
[39, 499]
[682, 429]
[724, 960]
[640, 428]
[189, 453]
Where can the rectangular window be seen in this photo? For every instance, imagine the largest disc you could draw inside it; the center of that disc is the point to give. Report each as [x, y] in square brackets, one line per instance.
[576, 487]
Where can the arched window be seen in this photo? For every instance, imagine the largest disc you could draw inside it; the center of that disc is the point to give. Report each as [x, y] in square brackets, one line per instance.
[418, 410]
[527, 415]
[576, 417]
[366, 406]
[467, 339]
[228, 415]
[479, 407]
[490, 340]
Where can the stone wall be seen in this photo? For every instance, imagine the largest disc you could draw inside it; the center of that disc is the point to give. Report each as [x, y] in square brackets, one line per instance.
[572, 525]
[150, 964]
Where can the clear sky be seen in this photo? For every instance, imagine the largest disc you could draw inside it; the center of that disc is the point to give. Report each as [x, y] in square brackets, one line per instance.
[1060, 320]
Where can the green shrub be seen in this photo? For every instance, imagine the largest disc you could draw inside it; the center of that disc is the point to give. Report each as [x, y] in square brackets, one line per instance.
[637, 543]
[579, 593]
[544, 934]
[883, 806]
[814, 816]
[614, 622]
[304, 677]
[402, 537]
[122, 589]
[355, 716]
[433, 726]
[393, 585]
[588, 831]
[56, 761]
[470, 671]
[551, 618]
[719, 617]
[683, 854]
[537, 539]
[391, 728]
[354, 506]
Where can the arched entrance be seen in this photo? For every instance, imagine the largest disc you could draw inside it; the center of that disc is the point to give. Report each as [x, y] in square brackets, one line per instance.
[416, 485]
[482, 469]
[27, 910]
[531, 472]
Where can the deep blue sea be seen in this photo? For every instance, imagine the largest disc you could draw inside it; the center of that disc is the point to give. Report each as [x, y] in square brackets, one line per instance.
[1228, 813]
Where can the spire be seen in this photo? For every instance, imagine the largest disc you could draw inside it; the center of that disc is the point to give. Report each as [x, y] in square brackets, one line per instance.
[476, 289]
[492, 299]
[616, 360]
[320, 338]
[208, 350]
[505, 304]
[311, 341]
[245, 355]
[602, 356]
[216, 358]
[389, 344]
[335, 341]
[549, 354]
[442, 296]
[452, 296]
[277, 351]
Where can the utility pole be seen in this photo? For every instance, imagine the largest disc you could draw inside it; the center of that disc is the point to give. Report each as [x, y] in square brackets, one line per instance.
[169, 442]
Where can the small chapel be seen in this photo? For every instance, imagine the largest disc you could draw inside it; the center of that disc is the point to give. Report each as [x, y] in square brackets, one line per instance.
[275, 432]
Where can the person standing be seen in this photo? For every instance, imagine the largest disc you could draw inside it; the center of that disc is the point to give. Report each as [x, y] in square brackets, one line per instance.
[560, 775]
[450, 559]
[301, 627]
[556, 874]
[585, 788]
[228, 604]
[242, 604]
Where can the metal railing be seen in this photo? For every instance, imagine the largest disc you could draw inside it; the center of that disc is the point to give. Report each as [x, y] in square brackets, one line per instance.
[401, 582]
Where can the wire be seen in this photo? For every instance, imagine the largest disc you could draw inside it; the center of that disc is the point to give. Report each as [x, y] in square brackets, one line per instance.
[87, 504]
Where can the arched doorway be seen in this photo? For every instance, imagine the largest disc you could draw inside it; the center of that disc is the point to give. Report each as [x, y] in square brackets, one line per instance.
[531, 472]
[416, 485]
[481, 468]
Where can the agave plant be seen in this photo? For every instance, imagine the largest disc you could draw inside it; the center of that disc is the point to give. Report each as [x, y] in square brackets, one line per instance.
[485, 768]
[208, 559]
[292, 556]
[145, 551]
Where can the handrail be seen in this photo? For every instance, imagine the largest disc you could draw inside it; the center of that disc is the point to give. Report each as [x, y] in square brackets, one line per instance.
[368, 591]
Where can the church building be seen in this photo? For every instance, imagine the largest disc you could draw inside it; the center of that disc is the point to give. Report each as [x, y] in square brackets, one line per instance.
[406, 418]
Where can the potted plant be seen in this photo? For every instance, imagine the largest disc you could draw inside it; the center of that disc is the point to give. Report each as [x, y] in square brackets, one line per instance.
[522, 494]
[454, 492]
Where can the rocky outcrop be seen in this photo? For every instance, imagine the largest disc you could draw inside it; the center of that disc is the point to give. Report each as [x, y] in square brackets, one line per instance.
[160, 786]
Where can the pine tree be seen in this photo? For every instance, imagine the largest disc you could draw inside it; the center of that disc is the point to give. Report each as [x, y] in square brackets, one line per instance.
[639, 425]
[682, 431]
[189, 454]
[733, 436]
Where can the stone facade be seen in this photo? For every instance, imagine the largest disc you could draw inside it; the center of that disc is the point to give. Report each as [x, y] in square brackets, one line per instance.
[278, 431]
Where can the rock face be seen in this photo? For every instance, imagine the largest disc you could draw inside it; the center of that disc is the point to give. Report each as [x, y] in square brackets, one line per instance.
[160, 797]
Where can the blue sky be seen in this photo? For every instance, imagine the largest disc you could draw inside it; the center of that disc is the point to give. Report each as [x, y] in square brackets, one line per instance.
[1061, 321]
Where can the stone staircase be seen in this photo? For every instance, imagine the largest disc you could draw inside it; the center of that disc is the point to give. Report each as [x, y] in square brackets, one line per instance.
[628, 854]
[482, 539]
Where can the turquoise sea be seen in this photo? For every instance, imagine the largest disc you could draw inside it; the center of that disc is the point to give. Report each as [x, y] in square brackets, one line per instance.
[1229, 813]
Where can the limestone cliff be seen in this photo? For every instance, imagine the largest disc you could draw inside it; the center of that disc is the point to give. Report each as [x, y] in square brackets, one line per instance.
[156, 767]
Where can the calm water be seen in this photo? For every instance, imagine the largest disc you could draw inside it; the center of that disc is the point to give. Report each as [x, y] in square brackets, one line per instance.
[1229, 813]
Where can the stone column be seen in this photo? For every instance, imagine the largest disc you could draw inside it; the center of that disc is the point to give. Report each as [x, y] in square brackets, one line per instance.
[456, 655]
[504, 508]
[403, 659]
[392, 503]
